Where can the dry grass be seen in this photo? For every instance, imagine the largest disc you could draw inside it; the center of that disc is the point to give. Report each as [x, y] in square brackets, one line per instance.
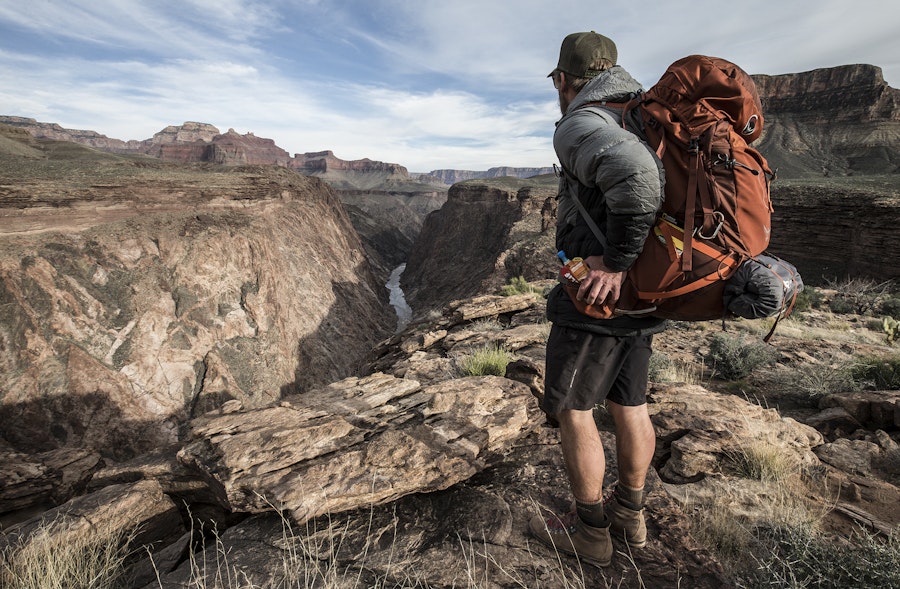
[763, 461]
[664, 369]
[56, 556]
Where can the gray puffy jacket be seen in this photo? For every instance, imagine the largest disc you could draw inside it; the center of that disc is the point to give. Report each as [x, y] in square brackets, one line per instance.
[614, 174]
[620, 182]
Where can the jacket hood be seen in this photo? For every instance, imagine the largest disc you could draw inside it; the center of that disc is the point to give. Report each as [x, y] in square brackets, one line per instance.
[613, 85]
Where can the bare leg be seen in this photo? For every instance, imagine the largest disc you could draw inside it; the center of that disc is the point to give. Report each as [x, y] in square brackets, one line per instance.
[635, 443]
[583, 454]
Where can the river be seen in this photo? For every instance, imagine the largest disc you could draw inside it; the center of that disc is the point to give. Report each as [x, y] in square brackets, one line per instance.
[398, 301]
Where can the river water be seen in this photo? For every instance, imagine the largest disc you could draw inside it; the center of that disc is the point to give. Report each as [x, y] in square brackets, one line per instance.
[398, 301]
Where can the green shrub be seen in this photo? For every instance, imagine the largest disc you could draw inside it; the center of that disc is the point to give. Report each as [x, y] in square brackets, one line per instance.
[797, 557]
[879, 372]
[840, 305]
[807, 299]
[517, 286]
[890, 307]
[817, 380]
[489, 360]
[733, 359]
[660, 367]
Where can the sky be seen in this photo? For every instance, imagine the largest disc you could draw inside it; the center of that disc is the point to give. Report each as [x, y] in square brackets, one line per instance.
[426, 84]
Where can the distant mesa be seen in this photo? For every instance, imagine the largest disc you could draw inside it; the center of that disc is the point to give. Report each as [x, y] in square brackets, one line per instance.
[194, 142]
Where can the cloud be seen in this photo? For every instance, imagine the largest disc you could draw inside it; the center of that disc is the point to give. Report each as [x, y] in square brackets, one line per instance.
[424, 84]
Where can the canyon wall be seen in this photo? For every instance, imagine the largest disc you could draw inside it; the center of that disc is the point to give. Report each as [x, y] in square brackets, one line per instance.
[487, 232]
[830, 122]
[157, 293]
[453, 176]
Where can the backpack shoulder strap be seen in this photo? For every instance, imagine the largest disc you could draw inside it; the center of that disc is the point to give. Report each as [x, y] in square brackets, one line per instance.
[584, 213]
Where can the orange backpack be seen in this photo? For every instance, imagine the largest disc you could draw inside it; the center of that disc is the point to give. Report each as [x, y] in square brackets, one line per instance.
[700, 119]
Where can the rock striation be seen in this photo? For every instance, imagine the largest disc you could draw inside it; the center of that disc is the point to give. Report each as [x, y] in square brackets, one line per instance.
[830, 122]
[486, 233]
[325, 161]
[836, 227]
[133, 304]
[449, 177]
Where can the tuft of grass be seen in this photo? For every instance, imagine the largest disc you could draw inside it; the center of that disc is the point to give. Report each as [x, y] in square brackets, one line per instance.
[720, 531]
[519, 285]
[485, 325]
[762, 461]
[664, 369]
[733, 358]
[56, 556]
[488, 360]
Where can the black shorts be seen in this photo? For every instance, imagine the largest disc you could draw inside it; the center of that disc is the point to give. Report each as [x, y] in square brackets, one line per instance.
[584, 368]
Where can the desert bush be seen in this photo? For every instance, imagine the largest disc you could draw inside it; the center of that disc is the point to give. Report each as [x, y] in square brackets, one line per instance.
[840, 305]
[517, 286]
[797, 557]
[858, 295]
[879, 372]
[660, 366]
[818, 380]
[807, 299]
[489, 360]
[890, 307]
[732, 358]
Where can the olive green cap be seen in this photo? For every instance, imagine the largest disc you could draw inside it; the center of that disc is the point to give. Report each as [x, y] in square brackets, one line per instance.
[580, 50]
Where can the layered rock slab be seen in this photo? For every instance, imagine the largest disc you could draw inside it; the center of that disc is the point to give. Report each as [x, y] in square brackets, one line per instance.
[357, 442]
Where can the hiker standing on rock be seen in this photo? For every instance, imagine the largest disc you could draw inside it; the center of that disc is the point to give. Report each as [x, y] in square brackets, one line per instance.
[619, 182]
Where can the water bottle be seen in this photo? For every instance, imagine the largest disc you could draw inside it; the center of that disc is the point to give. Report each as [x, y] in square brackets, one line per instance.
[574, 270]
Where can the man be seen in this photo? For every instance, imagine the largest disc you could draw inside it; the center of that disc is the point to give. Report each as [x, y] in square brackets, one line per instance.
[619, 182]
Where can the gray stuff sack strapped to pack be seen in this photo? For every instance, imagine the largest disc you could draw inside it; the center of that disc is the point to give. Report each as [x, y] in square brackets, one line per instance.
[763, 286]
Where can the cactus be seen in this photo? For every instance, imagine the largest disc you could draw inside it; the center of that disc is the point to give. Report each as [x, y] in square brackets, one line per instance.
[892, 329]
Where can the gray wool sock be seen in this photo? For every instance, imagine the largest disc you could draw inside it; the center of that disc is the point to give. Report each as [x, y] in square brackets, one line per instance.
[591, 513]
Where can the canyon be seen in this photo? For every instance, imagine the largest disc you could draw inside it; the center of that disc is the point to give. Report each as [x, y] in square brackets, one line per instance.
[195, 329]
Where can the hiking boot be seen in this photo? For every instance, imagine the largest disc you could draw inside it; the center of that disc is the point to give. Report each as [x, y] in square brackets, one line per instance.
[626, 523]
[569, 534]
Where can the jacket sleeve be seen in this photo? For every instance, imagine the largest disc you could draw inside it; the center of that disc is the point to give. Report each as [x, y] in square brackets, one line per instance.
[600, 154]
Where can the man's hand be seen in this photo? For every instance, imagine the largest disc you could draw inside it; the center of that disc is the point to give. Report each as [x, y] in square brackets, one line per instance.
[601, 284]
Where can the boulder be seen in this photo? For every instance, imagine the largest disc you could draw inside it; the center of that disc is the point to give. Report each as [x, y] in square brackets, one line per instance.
[871, 409]
[44, 480]
[357, 442]
[138, 512]
[701, 429]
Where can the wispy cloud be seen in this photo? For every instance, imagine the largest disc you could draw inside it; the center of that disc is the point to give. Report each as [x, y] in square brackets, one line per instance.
[425, 84]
